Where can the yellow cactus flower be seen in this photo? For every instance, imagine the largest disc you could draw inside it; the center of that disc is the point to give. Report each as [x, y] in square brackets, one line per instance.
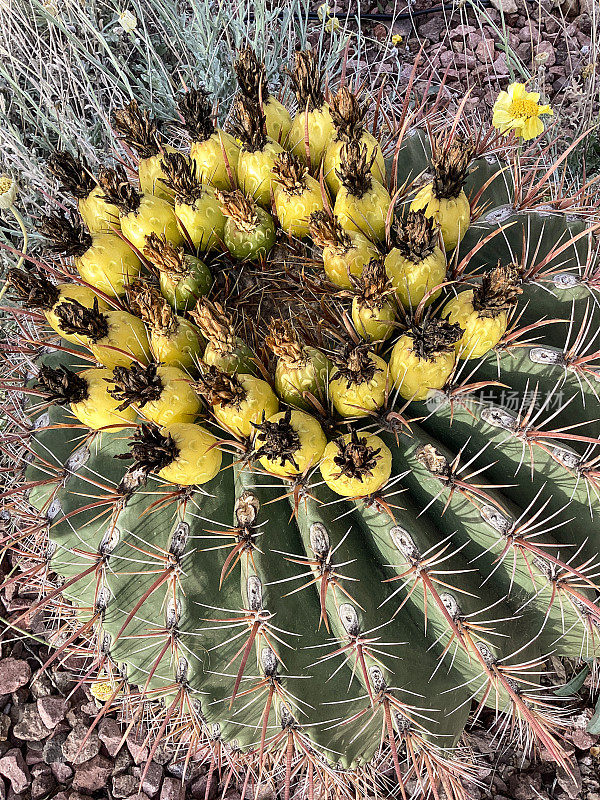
[103, 688]
[397, 40]
[332, 25]
[519, 110]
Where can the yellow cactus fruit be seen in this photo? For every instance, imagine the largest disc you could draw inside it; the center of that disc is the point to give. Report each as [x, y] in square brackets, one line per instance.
[483, 312]
[297, 195]
[362, 203]
[423, 358]
[373, 305]
[345, 253]
[416, 264]
[312, 127]
[444, 199]
[359, 384]
[289, 443]
[239, 402]
[348, 118]
[356, 464]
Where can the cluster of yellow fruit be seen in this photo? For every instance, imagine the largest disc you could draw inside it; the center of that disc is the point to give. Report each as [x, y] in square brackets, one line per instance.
[165, 348]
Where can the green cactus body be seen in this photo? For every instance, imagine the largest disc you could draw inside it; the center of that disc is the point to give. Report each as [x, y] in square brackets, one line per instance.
[284, 623]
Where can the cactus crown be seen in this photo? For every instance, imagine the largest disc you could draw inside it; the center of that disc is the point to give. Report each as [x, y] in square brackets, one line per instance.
[451, 157]
[348, 115]
[373, 287]
[433, 336]
[416, 236]
[67, 235]
[283, 341]
[165, 256]
[355, 168]
[215, 324]
[277, 441]
[241, 209]
[307, 80]
[290, 172]
[77, 319]
[251, 75]
[181, 176]
[499, 291]
[33, 289]
[146, 301]
[218, 388]
[354, 364]
[326, 231]
[74, 174]
[139, 384]
[249, 124]
[137, 129]
[355, 458]
[118, 190]
[196, 110]
[61, 385]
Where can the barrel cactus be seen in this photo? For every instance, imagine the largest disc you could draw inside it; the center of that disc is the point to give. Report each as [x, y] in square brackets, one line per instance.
[370, 513]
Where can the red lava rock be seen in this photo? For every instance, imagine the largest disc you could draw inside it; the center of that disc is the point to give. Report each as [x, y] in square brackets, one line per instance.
[122, 762]
[62, 772]
[172, 790]
[110, 734]
[572, 785]
[198, 790]
[14, 673]
[124, 786]
[93, 775]
[581, 739]
[485, 50]
[52, 710]
[463, 32]
[75, 751]
[139, 751]
[30, 727]
[42, 786]
[13, 767]
[153, 779]
[501, 66]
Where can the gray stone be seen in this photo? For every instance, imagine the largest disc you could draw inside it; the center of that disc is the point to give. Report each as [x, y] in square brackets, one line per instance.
[138, 749]
[125, 785]
[53, 748]
[41, 685]
[505, 6]
[30, 728]
[198, 790]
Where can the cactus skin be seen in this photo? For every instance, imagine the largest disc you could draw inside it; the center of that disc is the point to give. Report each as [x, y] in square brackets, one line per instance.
[397, 595]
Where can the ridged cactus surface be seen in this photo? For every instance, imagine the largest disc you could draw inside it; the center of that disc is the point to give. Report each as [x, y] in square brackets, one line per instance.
[319, 598]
